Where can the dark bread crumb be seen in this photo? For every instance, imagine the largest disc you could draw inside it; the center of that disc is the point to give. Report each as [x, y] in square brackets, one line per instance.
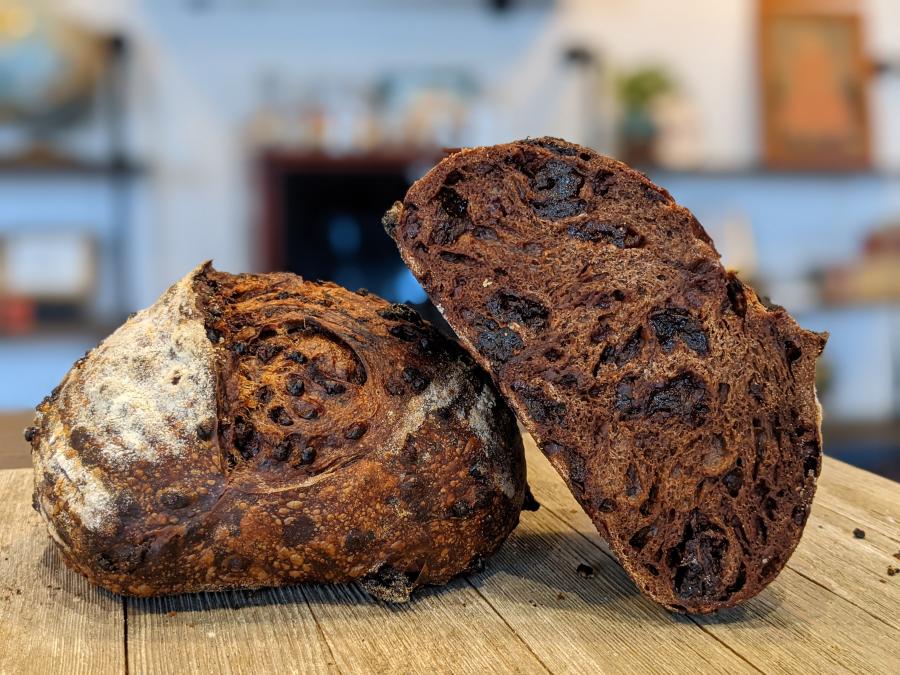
[891, 570]
[679, 409]
[389, 584]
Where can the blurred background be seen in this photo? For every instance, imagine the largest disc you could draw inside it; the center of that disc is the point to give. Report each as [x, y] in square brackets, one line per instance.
[141, 137]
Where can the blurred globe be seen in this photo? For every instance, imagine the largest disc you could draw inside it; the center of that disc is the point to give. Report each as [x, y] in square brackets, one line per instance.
[48, 66]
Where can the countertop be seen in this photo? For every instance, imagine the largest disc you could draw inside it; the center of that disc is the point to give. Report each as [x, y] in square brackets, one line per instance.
[834, 608]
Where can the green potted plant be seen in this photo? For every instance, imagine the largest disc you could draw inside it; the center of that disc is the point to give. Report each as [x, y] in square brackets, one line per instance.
[637, 91]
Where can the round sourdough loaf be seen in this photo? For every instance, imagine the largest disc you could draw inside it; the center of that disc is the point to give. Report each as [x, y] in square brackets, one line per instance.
[261, 430]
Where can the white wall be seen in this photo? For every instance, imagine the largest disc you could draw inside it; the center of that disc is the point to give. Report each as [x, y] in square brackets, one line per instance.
[195, 82]
[197, 74]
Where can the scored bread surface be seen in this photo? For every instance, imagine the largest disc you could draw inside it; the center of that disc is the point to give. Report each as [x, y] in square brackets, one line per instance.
[260, 430]
[679, 409]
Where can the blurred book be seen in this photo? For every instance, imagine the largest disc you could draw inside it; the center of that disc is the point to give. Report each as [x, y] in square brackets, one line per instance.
[44, 275]
[17, 315]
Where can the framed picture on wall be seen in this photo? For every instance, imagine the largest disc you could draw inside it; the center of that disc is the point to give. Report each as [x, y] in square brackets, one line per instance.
[814, 84]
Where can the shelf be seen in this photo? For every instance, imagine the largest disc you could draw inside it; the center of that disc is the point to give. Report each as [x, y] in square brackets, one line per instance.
[389, 159]
[317, 160]
[60, 331]
[884, 431]
[28, 168]
[761, 172]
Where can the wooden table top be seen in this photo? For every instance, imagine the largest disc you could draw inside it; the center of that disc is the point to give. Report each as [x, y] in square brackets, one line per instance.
[14, 451]
[833, 609]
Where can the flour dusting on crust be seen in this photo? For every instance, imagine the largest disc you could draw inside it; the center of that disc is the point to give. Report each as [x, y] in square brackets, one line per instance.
[89, 497]
[152, 382]
[481, 419]
[440, 393]
[142, 392]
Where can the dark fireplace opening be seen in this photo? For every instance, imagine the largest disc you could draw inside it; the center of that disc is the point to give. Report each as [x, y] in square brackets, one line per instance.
[322, 220]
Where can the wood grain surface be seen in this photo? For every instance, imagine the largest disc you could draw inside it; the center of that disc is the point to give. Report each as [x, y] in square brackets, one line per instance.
[51, 619]
[14, 451]
[833, 609]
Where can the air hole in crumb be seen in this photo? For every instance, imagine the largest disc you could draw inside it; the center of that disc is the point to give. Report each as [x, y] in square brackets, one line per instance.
[639, 539]
[633, 485]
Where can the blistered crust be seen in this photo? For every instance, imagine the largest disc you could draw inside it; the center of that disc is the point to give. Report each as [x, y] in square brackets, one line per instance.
[252, 431]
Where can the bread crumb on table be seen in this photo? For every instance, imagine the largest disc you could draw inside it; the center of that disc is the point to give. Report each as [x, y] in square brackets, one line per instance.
[585, 571]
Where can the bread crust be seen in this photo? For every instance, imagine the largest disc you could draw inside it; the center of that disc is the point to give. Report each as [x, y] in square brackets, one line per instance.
[262, 430]
[679, 409]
